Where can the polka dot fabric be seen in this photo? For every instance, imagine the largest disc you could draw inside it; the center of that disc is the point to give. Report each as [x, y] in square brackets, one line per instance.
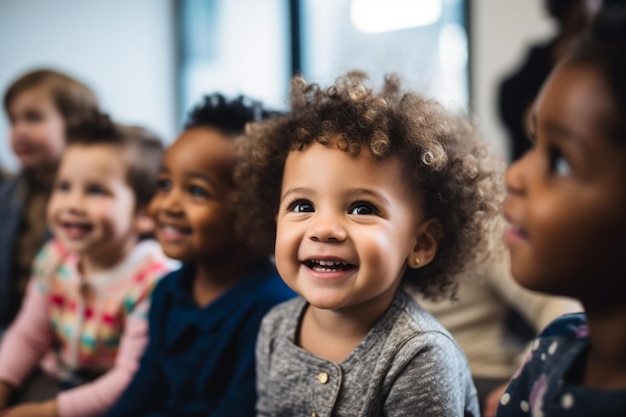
[541, 387]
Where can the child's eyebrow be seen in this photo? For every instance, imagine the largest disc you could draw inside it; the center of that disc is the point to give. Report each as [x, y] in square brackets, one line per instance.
[563, 133]
[358, 192]
[188, 174]
[530, 128]
[297, 190]
[198, 175]
[354, 193]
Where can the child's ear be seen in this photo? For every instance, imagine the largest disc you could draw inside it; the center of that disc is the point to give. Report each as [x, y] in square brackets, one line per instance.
[144, 225]
[427, 239]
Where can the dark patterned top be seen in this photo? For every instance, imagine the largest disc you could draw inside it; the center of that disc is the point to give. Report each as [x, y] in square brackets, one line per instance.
[544, 385]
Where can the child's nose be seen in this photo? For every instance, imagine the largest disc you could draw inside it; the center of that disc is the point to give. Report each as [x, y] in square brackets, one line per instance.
[75, 201]
[170, 202]
[18, 129]
[515, 178]
[327, 228]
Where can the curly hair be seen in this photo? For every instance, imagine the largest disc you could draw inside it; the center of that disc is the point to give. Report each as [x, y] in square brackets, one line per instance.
[439, 151]
[227, 116]
[230, 116]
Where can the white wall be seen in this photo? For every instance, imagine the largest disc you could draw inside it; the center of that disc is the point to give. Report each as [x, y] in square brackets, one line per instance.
[502, 31]
[124, 49]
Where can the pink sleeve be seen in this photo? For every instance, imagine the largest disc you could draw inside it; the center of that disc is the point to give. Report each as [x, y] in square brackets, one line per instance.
[28, 338]
[95, 398]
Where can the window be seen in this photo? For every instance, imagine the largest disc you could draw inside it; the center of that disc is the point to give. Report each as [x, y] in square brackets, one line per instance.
[424, 41]
[253, 47]
[234, 47]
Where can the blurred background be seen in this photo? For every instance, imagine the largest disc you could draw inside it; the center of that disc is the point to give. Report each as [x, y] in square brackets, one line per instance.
[149, 61]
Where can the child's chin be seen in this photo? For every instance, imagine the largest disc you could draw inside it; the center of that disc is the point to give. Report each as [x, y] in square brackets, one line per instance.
[77, 249]
[71, 243]
[324, 302]
[177, 253]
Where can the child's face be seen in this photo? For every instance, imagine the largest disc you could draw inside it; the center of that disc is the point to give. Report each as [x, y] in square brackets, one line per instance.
[567, 196]
[37, 129]
[92, 207]
[192, 208]
[345, 227]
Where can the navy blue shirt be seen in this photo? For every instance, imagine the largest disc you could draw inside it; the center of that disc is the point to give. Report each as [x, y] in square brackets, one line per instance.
[547, 385]
[200, 361]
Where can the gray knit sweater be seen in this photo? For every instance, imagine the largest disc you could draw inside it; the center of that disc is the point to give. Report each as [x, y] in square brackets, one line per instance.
[407, 365]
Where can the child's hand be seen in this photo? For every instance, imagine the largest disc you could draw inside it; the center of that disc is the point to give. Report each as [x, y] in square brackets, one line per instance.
[45, 409]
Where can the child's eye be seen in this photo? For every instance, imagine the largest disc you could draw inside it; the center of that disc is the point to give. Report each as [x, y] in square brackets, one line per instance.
[33, 116]
[198, 191]
[301, 206]
[164, 185]
[62, 186]
[561, 167]
[558, 164]
[363, 208]
[96, 190]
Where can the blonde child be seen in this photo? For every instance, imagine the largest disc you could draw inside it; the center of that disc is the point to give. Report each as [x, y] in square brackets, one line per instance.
[205, 317]
[84, 312]
[567, 208]
[40, 105]
[362, 190]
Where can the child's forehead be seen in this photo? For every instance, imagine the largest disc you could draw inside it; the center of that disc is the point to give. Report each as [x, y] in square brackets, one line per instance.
[583, 75]
[210, 140]
[201, 149]
[318, 157]
[39, 94]
[81, 144]
[327, 169]
[94, 159]
[112, 153]
[577, 97]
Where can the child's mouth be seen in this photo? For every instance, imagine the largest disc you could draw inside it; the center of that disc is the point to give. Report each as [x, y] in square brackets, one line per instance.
[76, 230]
[515, 234]
[327, 266]
[169, 232]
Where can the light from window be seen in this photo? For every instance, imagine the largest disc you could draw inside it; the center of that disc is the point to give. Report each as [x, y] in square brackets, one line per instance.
[378, 16]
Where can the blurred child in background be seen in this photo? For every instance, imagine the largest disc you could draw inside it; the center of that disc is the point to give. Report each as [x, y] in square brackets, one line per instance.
[205, 317]
[567, 209]
[518, 90]
[84, 315]
[41, 106]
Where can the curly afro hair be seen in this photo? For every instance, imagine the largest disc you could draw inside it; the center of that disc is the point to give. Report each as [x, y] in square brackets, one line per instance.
[227, 115]
[442, 158]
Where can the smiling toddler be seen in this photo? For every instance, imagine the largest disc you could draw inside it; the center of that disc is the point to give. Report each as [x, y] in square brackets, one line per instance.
[84, 315]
